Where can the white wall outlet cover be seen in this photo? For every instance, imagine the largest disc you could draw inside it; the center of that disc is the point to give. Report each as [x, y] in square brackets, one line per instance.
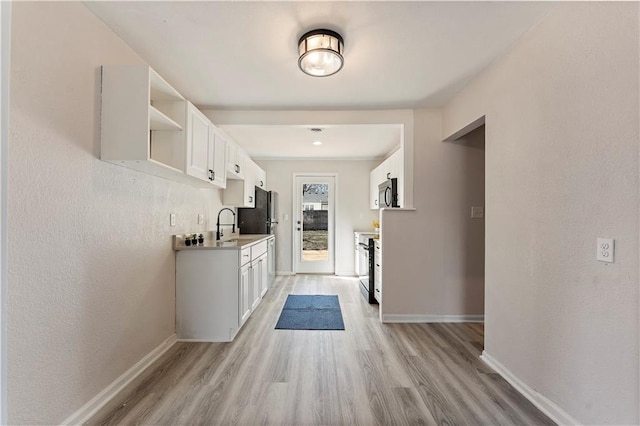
[605, 250]
[477, 212]
[172, 219]
[200, 218]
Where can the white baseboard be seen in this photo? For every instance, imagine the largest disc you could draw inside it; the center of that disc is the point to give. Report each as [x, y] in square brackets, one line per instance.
[96, 403]
[285, 273]
[431, 318]
[555, 413]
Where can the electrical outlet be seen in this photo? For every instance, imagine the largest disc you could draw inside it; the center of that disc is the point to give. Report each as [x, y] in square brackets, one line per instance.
[200, 218]
[477, 212]
[172, 219]
[606, 250]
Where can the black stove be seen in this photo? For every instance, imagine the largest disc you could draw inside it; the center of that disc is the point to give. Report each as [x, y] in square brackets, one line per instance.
[366, 252]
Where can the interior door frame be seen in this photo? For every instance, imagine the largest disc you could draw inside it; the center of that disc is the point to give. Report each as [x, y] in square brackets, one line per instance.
[295, 243]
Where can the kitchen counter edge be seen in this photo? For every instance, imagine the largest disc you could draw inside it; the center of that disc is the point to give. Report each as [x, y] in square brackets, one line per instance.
[242, 241]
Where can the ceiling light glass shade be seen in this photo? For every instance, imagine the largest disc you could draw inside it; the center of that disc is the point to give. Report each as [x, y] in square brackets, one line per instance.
[320, 53]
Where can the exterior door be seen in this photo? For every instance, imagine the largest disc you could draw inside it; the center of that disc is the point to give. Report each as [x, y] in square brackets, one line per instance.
[314, 205]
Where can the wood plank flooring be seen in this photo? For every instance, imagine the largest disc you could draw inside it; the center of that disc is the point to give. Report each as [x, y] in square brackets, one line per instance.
[370, 373]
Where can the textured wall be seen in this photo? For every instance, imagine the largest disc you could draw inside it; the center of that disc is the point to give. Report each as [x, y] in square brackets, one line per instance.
[562, 119]
[352, 214]
[91, 270]
[433, 256]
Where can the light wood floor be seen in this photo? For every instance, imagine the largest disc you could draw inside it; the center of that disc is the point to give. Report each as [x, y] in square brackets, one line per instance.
[368, 374]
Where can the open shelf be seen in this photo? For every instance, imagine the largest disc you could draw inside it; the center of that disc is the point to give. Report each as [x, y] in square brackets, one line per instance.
[160, 90]
[159, 121]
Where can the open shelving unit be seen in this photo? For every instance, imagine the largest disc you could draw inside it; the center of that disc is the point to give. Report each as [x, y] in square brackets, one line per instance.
[143, 121]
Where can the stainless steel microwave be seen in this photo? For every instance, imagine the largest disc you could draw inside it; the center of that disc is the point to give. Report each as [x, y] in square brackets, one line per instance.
[388, 193]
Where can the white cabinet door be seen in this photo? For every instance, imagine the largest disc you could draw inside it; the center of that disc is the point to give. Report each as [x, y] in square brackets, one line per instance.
[373, 189]
[245, 287]
[255, 284]
[271, 261]
[235, 160]
[232, 149]
[249, 184]
[260, 177]
[198, 145]
[218, 162]
[263, 270]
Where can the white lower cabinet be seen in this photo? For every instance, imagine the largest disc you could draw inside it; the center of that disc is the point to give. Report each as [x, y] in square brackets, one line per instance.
[262, 275]
[245, 294]
[377, 273]
[217, 290]
[271, 262]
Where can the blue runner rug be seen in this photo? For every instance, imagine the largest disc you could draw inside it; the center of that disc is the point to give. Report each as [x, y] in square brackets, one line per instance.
[311, 312]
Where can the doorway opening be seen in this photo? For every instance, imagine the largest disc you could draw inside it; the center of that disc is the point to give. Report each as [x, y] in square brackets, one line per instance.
[470, 142]
[314, 212]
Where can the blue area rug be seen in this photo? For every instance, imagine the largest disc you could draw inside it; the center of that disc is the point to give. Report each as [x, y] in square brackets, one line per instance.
[311, 312]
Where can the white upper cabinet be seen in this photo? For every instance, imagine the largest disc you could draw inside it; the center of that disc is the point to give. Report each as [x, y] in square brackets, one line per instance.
[199, 145]
[241, 192]
[259, 177]
[236, 159]
[148, 126]
[206, 149]
[219, 162]
[373, 189]
[392, 167]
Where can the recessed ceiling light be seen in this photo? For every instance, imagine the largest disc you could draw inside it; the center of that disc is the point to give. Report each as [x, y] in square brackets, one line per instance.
[317, 142]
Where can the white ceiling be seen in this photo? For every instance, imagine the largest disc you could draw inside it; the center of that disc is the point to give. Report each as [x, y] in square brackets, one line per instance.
[356, 141]
[243, 55]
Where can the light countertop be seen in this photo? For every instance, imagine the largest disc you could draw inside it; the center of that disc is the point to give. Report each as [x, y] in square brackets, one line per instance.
[232, 242]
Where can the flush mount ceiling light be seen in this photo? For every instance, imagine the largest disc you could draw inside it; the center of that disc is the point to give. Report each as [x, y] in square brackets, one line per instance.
[316, 143]
[320, 53]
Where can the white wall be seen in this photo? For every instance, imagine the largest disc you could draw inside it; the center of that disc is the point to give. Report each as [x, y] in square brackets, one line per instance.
[91, 271]
[562, 120]
[433, 256]
[352, 213]
[5, 49]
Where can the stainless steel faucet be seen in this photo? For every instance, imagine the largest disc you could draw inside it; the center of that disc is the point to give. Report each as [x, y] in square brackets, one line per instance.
[218, 224]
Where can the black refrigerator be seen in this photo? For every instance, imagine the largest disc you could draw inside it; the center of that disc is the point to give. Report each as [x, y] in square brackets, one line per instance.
[263, 218]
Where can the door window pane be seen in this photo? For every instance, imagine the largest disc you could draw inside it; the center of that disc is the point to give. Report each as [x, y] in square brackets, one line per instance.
[315, 221]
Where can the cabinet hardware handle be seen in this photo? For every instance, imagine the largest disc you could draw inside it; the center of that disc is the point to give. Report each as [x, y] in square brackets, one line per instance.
[211, 174]
[250, 199]
[389, 175]
[376, 202]
[297, 229]
[377, 264]
[378, 290]
[237, 168]
[261, 184]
